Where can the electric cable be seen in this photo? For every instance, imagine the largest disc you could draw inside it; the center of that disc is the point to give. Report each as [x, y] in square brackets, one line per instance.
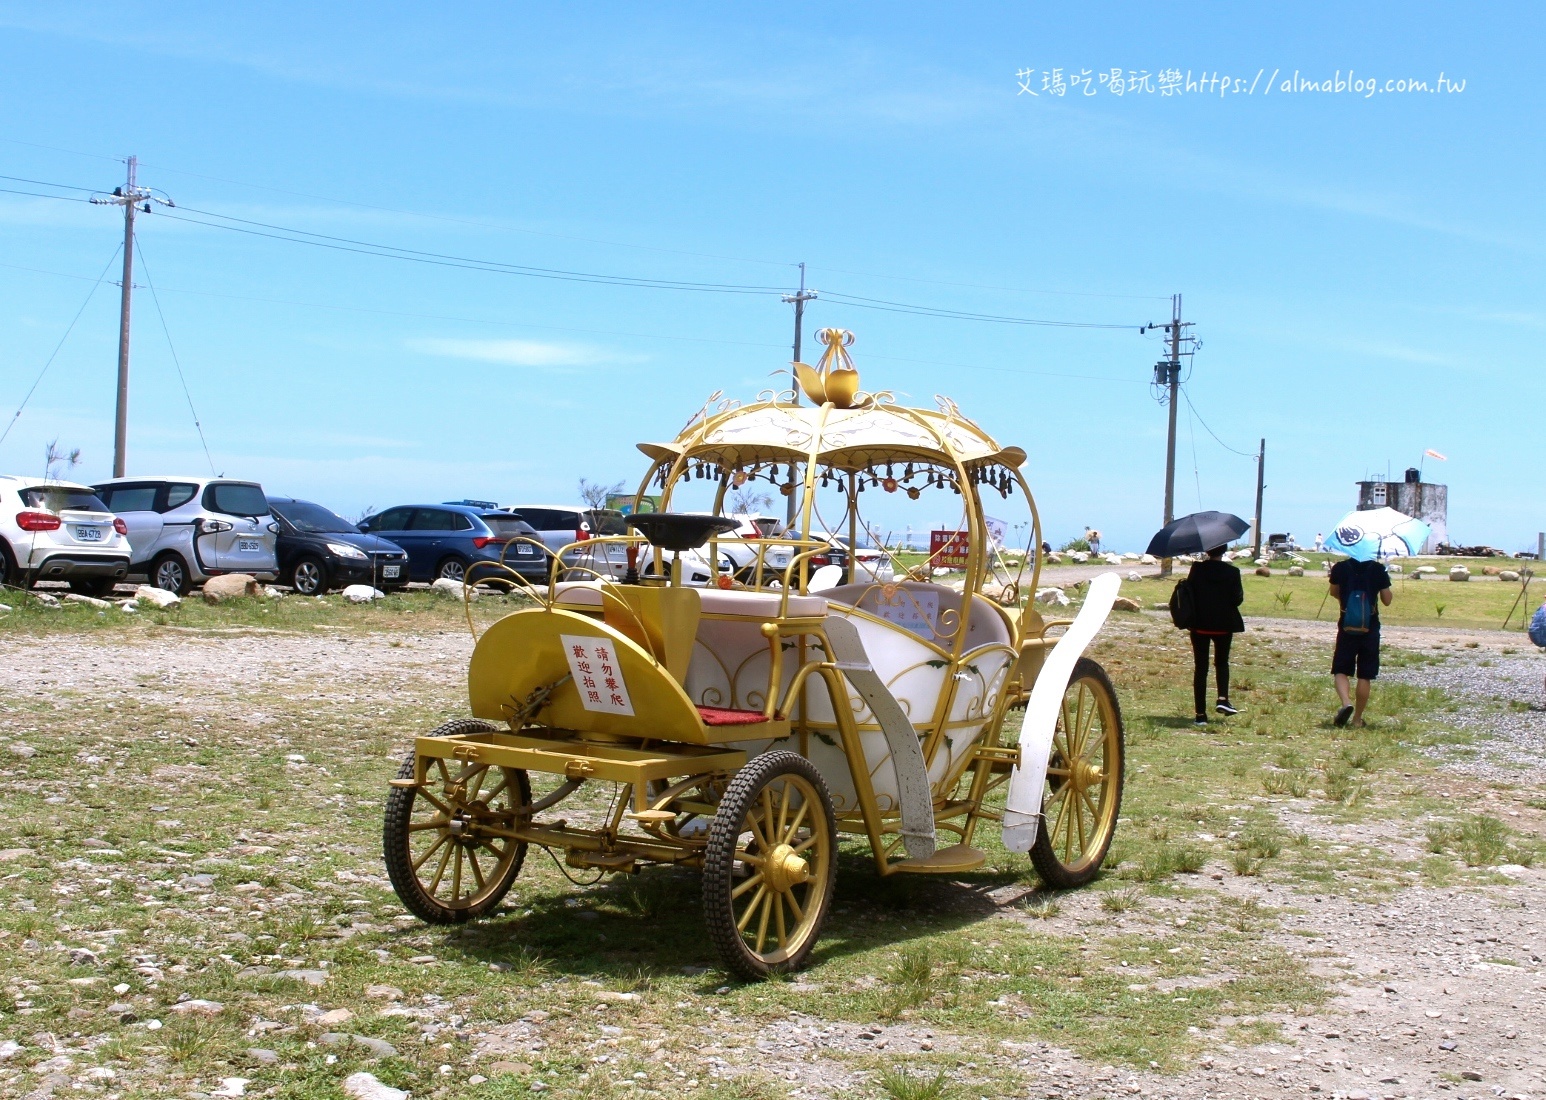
[151, 283]
[71, 328]
[954, 314]
[1210, 431]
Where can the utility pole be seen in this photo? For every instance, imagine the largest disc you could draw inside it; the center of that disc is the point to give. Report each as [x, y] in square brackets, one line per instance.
[798, 299]
[1167, 385]
[132, 198]
[1261, 483]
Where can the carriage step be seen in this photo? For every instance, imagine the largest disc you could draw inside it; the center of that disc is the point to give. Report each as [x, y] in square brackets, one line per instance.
[958, 857]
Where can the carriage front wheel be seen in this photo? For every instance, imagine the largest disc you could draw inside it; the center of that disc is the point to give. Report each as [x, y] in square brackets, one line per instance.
[769, 865]
[1084, 781]
[446, 843]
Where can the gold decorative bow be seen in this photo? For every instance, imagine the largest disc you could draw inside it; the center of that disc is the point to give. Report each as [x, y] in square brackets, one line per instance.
[834, 378]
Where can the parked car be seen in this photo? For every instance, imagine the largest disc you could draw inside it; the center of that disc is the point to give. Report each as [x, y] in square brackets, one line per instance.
[184, 530]
[743, 558]
[562, 524]
[319, 549]
[460, 542]
[871, 564]
[57, 530]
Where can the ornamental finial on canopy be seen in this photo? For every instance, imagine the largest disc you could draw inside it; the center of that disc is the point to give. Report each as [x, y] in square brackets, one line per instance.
[834, 380]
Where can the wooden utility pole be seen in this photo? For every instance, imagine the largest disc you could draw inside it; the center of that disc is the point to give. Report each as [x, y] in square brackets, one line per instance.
[1261, 483]
[1167, 374]
[798, 299]
[132, 198]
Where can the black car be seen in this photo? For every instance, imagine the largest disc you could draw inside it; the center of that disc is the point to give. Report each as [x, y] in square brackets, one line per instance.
[465, 543]
[319, 550]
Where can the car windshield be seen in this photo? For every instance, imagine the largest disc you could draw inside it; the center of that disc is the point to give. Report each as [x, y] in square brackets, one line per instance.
[235, 499]
[59, 499]
[505, 525]
[313, 519]
[605, 521]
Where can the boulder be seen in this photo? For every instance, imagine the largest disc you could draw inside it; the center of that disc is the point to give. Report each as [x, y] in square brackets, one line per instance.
[1054, 558]
[1296, 570]
[1508, 575]
[1080, 556]
[1135, 576]
[198, 1006]
[1426, 569]
[272, 593]
[129, 607]
[1489, 570]
[1111, 559]
[232, 586]
[1130, 556]
[1395, 567]
[366, 1086]
[363, 593]
[1123, 603]
[456, 590]
[158, 596]
[1459, 573]
[1054, 596]
[45, 599]
[1263, 571]
[1148, 559]
[89, 601]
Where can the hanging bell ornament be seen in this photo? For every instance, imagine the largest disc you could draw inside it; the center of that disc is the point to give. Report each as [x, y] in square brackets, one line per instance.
[915, 493]
[738, 479]
[787, 489]
[889, 485]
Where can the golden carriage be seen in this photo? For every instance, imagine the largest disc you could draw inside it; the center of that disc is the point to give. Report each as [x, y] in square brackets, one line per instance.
[744, 726]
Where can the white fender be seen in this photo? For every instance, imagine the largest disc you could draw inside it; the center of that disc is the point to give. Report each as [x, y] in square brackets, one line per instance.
[1022, 811]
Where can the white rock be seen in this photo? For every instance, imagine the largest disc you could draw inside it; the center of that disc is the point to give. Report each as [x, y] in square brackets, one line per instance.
[9, 1049]
[89, 601]
[45, 599]
[1148, 559]
[1130, 556]
[158, 596]
[1054, 558]
[4, 607]
[1425, 569]
[1054, 596]
[26, 752]
[1111, 559]
[366, 1086]
[1296, 570]
[130, 606]
[231, 586]
[197, 1007]
[1395, 567]
[232, 1086]
[1135, 576]
[1503, 575]
[1459, 573]
[272, 593]
[1080, 556]
[456, 590]
[1512, 870]
[363, 593]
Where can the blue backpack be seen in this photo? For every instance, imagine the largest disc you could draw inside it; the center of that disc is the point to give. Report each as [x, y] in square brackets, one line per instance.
[1358, 606]
[1538, 626]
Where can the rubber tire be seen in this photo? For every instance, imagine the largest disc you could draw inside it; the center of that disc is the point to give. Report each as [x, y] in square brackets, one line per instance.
[1051, 871]
[458, 567]
[97, 587]
[170, 559]
[324, 582]
[719, 861]
[10, 576]
[394, 840]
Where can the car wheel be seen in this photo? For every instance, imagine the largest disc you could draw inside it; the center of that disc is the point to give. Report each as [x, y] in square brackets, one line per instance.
[452, 569]
[308, 577]
[98, 587]
[170, 573]
[10, 576]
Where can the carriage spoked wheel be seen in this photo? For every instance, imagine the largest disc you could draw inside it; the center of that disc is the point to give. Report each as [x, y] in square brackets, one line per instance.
[769, 865]
[445, 852]
[1084, 781]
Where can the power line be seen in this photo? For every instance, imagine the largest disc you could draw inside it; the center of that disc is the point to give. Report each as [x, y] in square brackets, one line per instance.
[154, 297]
[46, 183]
[1210, 431]
[989, 286]
[62, 339]
[957, 315]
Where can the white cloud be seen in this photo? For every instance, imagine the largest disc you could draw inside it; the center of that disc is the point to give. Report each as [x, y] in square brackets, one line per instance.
[542, 354]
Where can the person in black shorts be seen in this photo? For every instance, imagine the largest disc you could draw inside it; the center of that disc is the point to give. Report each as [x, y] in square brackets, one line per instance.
[1357, 655]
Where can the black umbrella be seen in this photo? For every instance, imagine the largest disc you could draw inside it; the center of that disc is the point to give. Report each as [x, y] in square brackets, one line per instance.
[1196, 533]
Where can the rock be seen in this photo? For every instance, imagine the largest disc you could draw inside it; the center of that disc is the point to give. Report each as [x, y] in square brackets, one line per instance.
[365, 1086]
[1124, 603]
[1395, 567]
[10, 1049]
[310, 977]
[158, 596]
[1296, 570]
[197, 1007]
[231, 1086]
[45, 599]
[336, 1016]
[232, 586]
[1263, 571]
[1148, 559]
[455, 589]
[615, 997]
[1489, 570]
[1111, 559]
[1508, 575]
[1135, 577]
[1080, 556]
[123, 1013]
[1054, 596]
[83, 956]
[1263, 561]
[363, 593]
[129, 607]
[1459, 573]
[384, 992]
[1470, 1075]
[1053, 558]
[510, 1067]
[89, 601]
[4, 607]
[263, 1056]
[375, 1048]
[26, 752]
[1426, 569]
[272, 593]
[1130, 556]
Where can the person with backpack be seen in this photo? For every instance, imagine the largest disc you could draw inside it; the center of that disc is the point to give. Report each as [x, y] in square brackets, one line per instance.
[1207, 604]
[1356, 586]
[1538, 626]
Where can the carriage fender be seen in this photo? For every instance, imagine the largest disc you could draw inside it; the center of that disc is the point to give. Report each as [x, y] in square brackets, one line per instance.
[1022, 810]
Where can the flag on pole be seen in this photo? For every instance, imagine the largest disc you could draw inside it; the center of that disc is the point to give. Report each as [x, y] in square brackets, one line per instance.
[1435, 454]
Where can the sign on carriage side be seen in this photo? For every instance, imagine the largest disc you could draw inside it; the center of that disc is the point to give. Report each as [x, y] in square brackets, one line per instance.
[916, 611]
[598, 675]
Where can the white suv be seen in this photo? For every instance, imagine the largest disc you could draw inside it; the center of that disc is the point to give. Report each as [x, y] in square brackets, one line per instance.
[185, 530]
[57, 530]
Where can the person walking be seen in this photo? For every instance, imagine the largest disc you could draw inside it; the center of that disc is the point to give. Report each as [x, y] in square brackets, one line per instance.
[1357, 585]
[1216, 598]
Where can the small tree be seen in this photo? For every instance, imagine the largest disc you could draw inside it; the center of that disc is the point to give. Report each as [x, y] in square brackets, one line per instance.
[53, 458]
[748, 501]
[594, 494]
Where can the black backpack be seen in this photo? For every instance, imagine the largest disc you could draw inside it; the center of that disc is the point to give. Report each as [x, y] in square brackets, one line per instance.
[1183, 608]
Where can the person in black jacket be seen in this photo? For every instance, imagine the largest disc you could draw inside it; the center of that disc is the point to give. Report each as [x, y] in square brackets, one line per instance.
[1216, 598]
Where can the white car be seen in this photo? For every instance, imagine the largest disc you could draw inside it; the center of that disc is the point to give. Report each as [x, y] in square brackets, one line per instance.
[184, 530]
[563, 524]
[60, 531]
[743, 558]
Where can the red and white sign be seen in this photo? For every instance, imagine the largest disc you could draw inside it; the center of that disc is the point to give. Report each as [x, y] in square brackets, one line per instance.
[598, 676]
[949, 548]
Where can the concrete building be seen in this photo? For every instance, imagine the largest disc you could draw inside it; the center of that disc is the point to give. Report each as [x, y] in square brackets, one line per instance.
[1414, 497]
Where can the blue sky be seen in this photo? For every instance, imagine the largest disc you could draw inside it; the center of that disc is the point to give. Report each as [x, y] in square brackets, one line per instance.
[1365, 273]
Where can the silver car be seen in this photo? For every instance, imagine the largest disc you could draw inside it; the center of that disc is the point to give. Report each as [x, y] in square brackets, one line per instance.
[184, 530]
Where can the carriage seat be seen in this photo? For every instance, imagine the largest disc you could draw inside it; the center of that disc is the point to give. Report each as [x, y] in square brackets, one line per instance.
[740, 603]
[921, 607]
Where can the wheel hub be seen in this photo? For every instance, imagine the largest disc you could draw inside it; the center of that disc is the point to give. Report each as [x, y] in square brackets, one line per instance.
[785, 869]
[1086, 775]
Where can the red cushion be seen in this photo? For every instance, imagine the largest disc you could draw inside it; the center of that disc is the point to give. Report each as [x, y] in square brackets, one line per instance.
[720, 716]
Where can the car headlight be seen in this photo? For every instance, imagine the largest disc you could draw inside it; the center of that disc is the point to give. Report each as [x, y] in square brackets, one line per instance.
[344, 550]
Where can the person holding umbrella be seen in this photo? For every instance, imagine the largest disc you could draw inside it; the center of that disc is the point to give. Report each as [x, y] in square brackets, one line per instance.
[1213, 593]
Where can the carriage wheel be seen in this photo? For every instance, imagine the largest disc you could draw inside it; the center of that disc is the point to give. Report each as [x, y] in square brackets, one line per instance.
[444, 860]
[1084, 781]
[769, 865]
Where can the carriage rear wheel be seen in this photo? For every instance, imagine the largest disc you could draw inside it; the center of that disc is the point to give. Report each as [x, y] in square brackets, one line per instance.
[1084, 781]
[444, 843]
[769, 865]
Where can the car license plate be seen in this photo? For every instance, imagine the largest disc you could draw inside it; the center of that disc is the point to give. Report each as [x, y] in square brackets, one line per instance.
[248, 546]
[391, 572]
[89, 534]
[525, 551]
